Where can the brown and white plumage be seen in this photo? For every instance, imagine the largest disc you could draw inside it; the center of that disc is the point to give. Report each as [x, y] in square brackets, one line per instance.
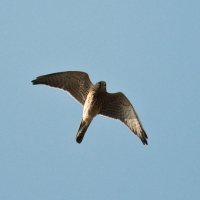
[95, 100]
[76, 83]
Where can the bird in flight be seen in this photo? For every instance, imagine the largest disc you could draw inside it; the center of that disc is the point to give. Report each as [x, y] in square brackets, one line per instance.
[95, 100]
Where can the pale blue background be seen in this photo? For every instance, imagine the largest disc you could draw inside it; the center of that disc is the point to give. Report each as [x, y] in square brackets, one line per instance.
[149, 50]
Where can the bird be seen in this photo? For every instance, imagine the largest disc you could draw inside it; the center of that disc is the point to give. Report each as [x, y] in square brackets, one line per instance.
[95, 100]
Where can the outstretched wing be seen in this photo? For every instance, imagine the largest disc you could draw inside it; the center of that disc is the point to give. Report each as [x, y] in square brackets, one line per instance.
[117, 106]
[76, 83]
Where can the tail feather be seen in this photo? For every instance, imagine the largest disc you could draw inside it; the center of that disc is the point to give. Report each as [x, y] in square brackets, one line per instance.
[81, 131]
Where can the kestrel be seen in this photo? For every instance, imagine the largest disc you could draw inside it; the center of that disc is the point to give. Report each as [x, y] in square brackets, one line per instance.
[95, 100]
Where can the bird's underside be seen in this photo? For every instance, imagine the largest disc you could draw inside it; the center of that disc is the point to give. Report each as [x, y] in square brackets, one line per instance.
[95, 100]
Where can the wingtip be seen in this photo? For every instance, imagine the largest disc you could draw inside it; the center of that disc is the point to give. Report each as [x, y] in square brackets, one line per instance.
[145, 142]
[144, 138]
[35, 82]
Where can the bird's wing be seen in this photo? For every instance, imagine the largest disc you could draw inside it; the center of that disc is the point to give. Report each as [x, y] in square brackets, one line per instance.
[117, 106]
[76, 83]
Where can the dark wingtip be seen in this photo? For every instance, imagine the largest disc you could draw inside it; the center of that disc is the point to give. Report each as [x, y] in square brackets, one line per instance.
[145, 142]
[34, 82]
[144, 138]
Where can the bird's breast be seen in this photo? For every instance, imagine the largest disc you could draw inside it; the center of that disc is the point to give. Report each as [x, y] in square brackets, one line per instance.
[93, 104]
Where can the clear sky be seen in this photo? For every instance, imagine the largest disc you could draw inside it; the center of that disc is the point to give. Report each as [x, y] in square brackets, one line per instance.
[149, 50]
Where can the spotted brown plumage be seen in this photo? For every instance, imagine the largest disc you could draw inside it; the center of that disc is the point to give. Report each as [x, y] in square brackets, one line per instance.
[95, 100]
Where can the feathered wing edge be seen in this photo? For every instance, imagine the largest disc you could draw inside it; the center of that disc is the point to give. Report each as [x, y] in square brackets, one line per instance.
[76, 83]
[136, 127]
[117, 106]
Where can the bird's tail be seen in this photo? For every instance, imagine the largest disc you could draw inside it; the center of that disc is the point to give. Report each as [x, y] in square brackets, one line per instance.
[81, 131]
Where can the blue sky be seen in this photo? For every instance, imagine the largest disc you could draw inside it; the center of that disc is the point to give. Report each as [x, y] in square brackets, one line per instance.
[149, 51]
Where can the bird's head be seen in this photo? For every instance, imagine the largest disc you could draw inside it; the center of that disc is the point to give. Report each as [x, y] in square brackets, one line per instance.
[101, 85]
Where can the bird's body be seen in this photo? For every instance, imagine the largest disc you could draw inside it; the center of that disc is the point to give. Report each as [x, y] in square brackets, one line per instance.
[95, 100]
[91, 108]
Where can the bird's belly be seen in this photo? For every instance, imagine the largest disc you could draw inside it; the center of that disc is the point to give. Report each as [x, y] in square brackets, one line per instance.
[91, 108]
